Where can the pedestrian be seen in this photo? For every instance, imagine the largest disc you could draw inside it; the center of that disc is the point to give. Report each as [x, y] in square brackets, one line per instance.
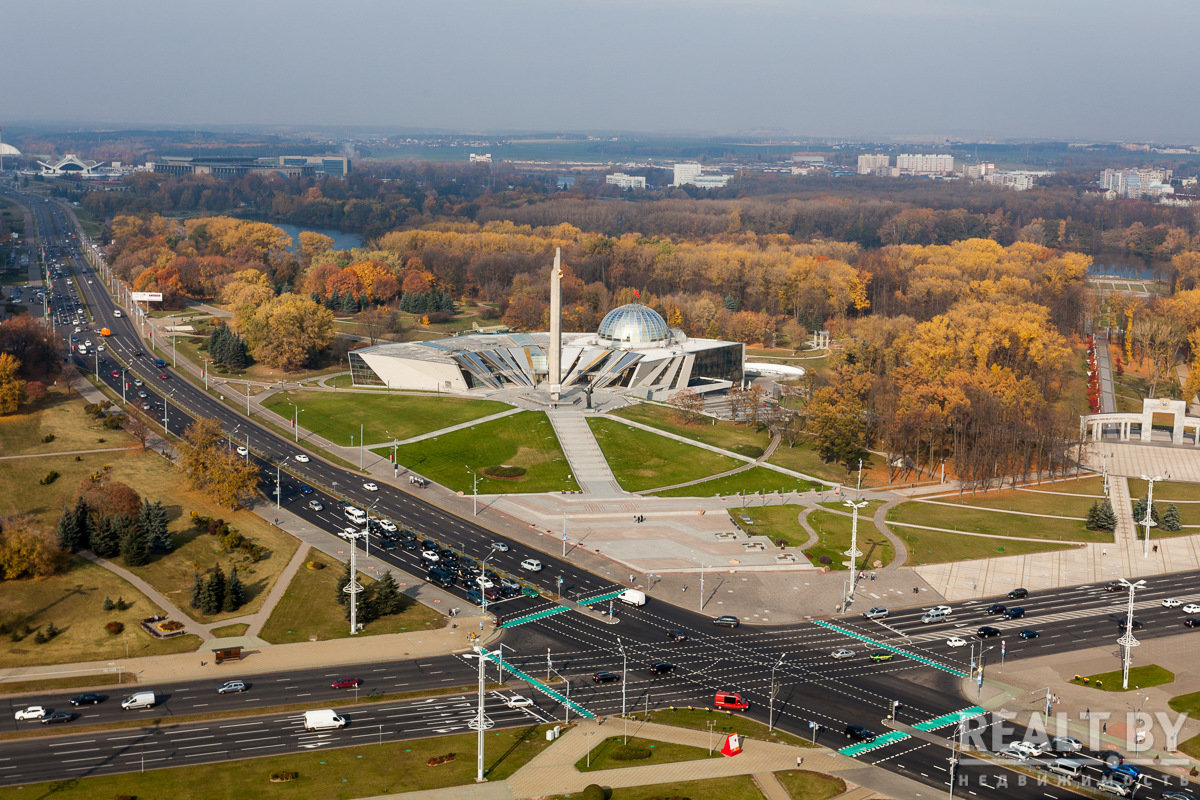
[1156, 548]
[1104, 728]
[799, 760]
[631, 579]
[685, 587]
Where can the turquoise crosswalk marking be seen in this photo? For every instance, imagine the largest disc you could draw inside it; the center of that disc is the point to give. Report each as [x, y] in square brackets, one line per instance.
[879, 741]
[602, 597]
[545, 612]
[950, 719]
[897, 650]
[532, 681]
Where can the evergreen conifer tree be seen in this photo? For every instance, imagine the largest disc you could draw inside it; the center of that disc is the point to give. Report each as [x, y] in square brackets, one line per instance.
[335, 300]
[343, 581]
[135, 550]
[106, 539]
[1093, 517]
[235, 592]
[387, 595]
[214, 591]
[1170, 520]
[67, 531]
[197, 591]
[1108, 519]
[83, 524]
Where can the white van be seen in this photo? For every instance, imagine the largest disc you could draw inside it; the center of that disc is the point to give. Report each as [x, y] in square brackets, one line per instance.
[632, 597]
[139, 700]
[1066, 767]
[933, 615]
[117, 313]
[323, 719]
[356, 515]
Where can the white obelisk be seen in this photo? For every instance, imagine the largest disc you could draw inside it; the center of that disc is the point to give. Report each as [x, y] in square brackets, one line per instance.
[555, 376]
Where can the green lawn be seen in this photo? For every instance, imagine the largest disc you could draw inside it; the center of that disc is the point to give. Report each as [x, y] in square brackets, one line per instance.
[642, 460]
[936, 547]
[1031, 502]
[307, 609]
[524, 440]
[61, 419]
[723, 723]
[1165, 491]
[980, 520]
[1186, 703]
[237, 629]
[774, 522]
[54, 685]
[741, 439]
[737, 787]
[833, 540]
[615, 753]
[342, 773]
[1139, 678]
[1191, 747]
[336, 416]
[748, 481]
[803, 785]
[803, 458]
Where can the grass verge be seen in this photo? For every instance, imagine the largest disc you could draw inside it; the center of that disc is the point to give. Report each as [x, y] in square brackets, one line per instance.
[833, 540]
[1186, 703]
[936, 547]
[525, 440]
[614, 753]
[1139, 678]
[737, 787]
[742, 439]
[995, 523]
[778, 523]
[749, 481]
[306, 611]
[802, 785]
[346, 772]
[723, 723]
[236, 629]
[47, 685]
[642, 460]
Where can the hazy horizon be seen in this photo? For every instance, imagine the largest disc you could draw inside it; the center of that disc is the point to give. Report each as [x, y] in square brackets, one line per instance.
[864, 69]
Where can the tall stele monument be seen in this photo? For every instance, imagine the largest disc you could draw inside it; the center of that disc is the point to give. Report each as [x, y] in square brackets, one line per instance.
[555, 367]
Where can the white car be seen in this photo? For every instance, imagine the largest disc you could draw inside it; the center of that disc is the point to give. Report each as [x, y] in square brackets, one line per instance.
[501, 547]
[485, 582]
[348, 533]
[940, 610]
[431, 556]
[517, 701]
[531, 564]
[371, 487]
[842, 652]
[388, 525]
[31, 712]
[242, 451]
[955, 641]
[1028, 749]
[303, 459]
[1191, 608]
[1171, 602]
[1113, 787]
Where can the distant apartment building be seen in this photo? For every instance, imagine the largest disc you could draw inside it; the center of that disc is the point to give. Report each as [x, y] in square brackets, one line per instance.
[237, 166]
[978, 172]
[924, 164]
[481, 158]
[334, 166]
[1018, 179]
[691, 173]
[625, 181]
[872, 163]
[1137, 183]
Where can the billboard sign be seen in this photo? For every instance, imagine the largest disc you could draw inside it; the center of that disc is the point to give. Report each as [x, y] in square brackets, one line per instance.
[146, 297]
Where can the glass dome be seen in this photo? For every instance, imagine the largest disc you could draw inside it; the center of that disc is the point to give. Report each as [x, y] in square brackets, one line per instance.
[633, 325]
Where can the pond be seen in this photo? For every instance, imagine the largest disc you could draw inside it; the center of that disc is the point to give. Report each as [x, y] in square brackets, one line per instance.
[341, 239]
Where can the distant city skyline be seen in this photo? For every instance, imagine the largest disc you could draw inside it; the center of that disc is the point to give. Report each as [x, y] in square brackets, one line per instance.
[864, 69]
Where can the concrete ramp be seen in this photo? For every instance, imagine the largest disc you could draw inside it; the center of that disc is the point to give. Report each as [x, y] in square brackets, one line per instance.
[588, 465]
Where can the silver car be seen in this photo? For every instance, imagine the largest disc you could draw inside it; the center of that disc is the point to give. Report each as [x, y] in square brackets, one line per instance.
[878, 612]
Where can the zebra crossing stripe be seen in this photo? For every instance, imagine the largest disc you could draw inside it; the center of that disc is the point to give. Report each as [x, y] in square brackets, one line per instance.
[545, 612]
[600, 598]
[951, 718]
[532, 681]
[879, 741]
[891, 737]
[898, 651]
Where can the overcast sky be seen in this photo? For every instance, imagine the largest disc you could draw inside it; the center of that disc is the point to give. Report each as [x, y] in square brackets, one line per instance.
[1090, 69]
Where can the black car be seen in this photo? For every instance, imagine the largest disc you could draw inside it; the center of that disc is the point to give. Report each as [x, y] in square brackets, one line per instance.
[996, 608]
[859, 734]
[386, 544]
[1110, 757]
[727, 621]
[1016, 612]
[1192, 622]
[1137, 626]
[677, 635]
[1028, 633]
[87, 699]
[57, 716]
[440, 577]
[661, 668]
[410, 544]
[1018, 594]
[605, 677]
[987, 631]
[1114, 586]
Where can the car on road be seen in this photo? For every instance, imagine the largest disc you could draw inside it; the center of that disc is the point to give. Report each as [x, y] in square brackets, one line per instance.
[1192, 622]
[882, 655]
[137, 381]
[142, 395]
[57, 716]
[676, 635]
[940, 610]
[510, 583]
[859, 734]
[605, 677]
[842, 652]
[229, 687]
[484, 582]
[1171, 602]
[878, 612]
[301, 457]
[431, 556]
[996, 608]
[956, 641]
[370, 486]
[386, 544]
[305, 489]
[501, 547]
[146, 406]
[987, 631]
[316, 505]
[1137, 626]
[387, 526]
[529, 591]
[87, 699]
[1028, 633]
[1109, 786]
[31, 712]
[163, 376]
[345, 683]
[1018, 594]
[1016, 612]
[1028, 749]
[1114, 586]
[661, 667]
[1110, 757]
[242, 451]
[1179, 796]
[1191, 608]
[517, 701]
[441, 577]
[726, 621]
[1065, 744]
[531, 564]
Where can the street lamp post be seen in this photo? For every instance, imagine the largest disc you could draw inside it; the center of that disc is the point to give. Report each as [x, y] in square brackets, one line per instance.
[474, 491]
[1127, 640]
[1149, 522]
[360, 445]
[205, 371]
[853, 552]
[124, 383]
[296, 420]
[624, 664]
[771, 710]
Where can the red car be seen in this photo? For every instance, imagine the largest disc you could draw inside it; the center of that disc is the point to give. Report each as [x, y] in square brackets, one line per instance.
[344, 683]
[163, 375]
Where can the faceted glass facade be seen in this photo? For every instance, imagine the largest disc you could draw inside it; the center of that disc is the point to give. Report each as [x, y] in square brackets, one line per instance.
[633, 325]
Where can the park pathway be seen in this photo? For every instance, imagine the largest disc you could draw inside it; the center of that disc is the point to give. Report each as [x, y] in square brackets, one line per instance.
[1108, 396]
[153, 595]
[588, 464]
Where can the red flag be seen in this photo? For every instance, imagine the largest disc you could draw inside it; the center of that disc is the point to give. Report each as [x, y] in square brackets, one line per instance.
[637, 294]
[732, 746]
